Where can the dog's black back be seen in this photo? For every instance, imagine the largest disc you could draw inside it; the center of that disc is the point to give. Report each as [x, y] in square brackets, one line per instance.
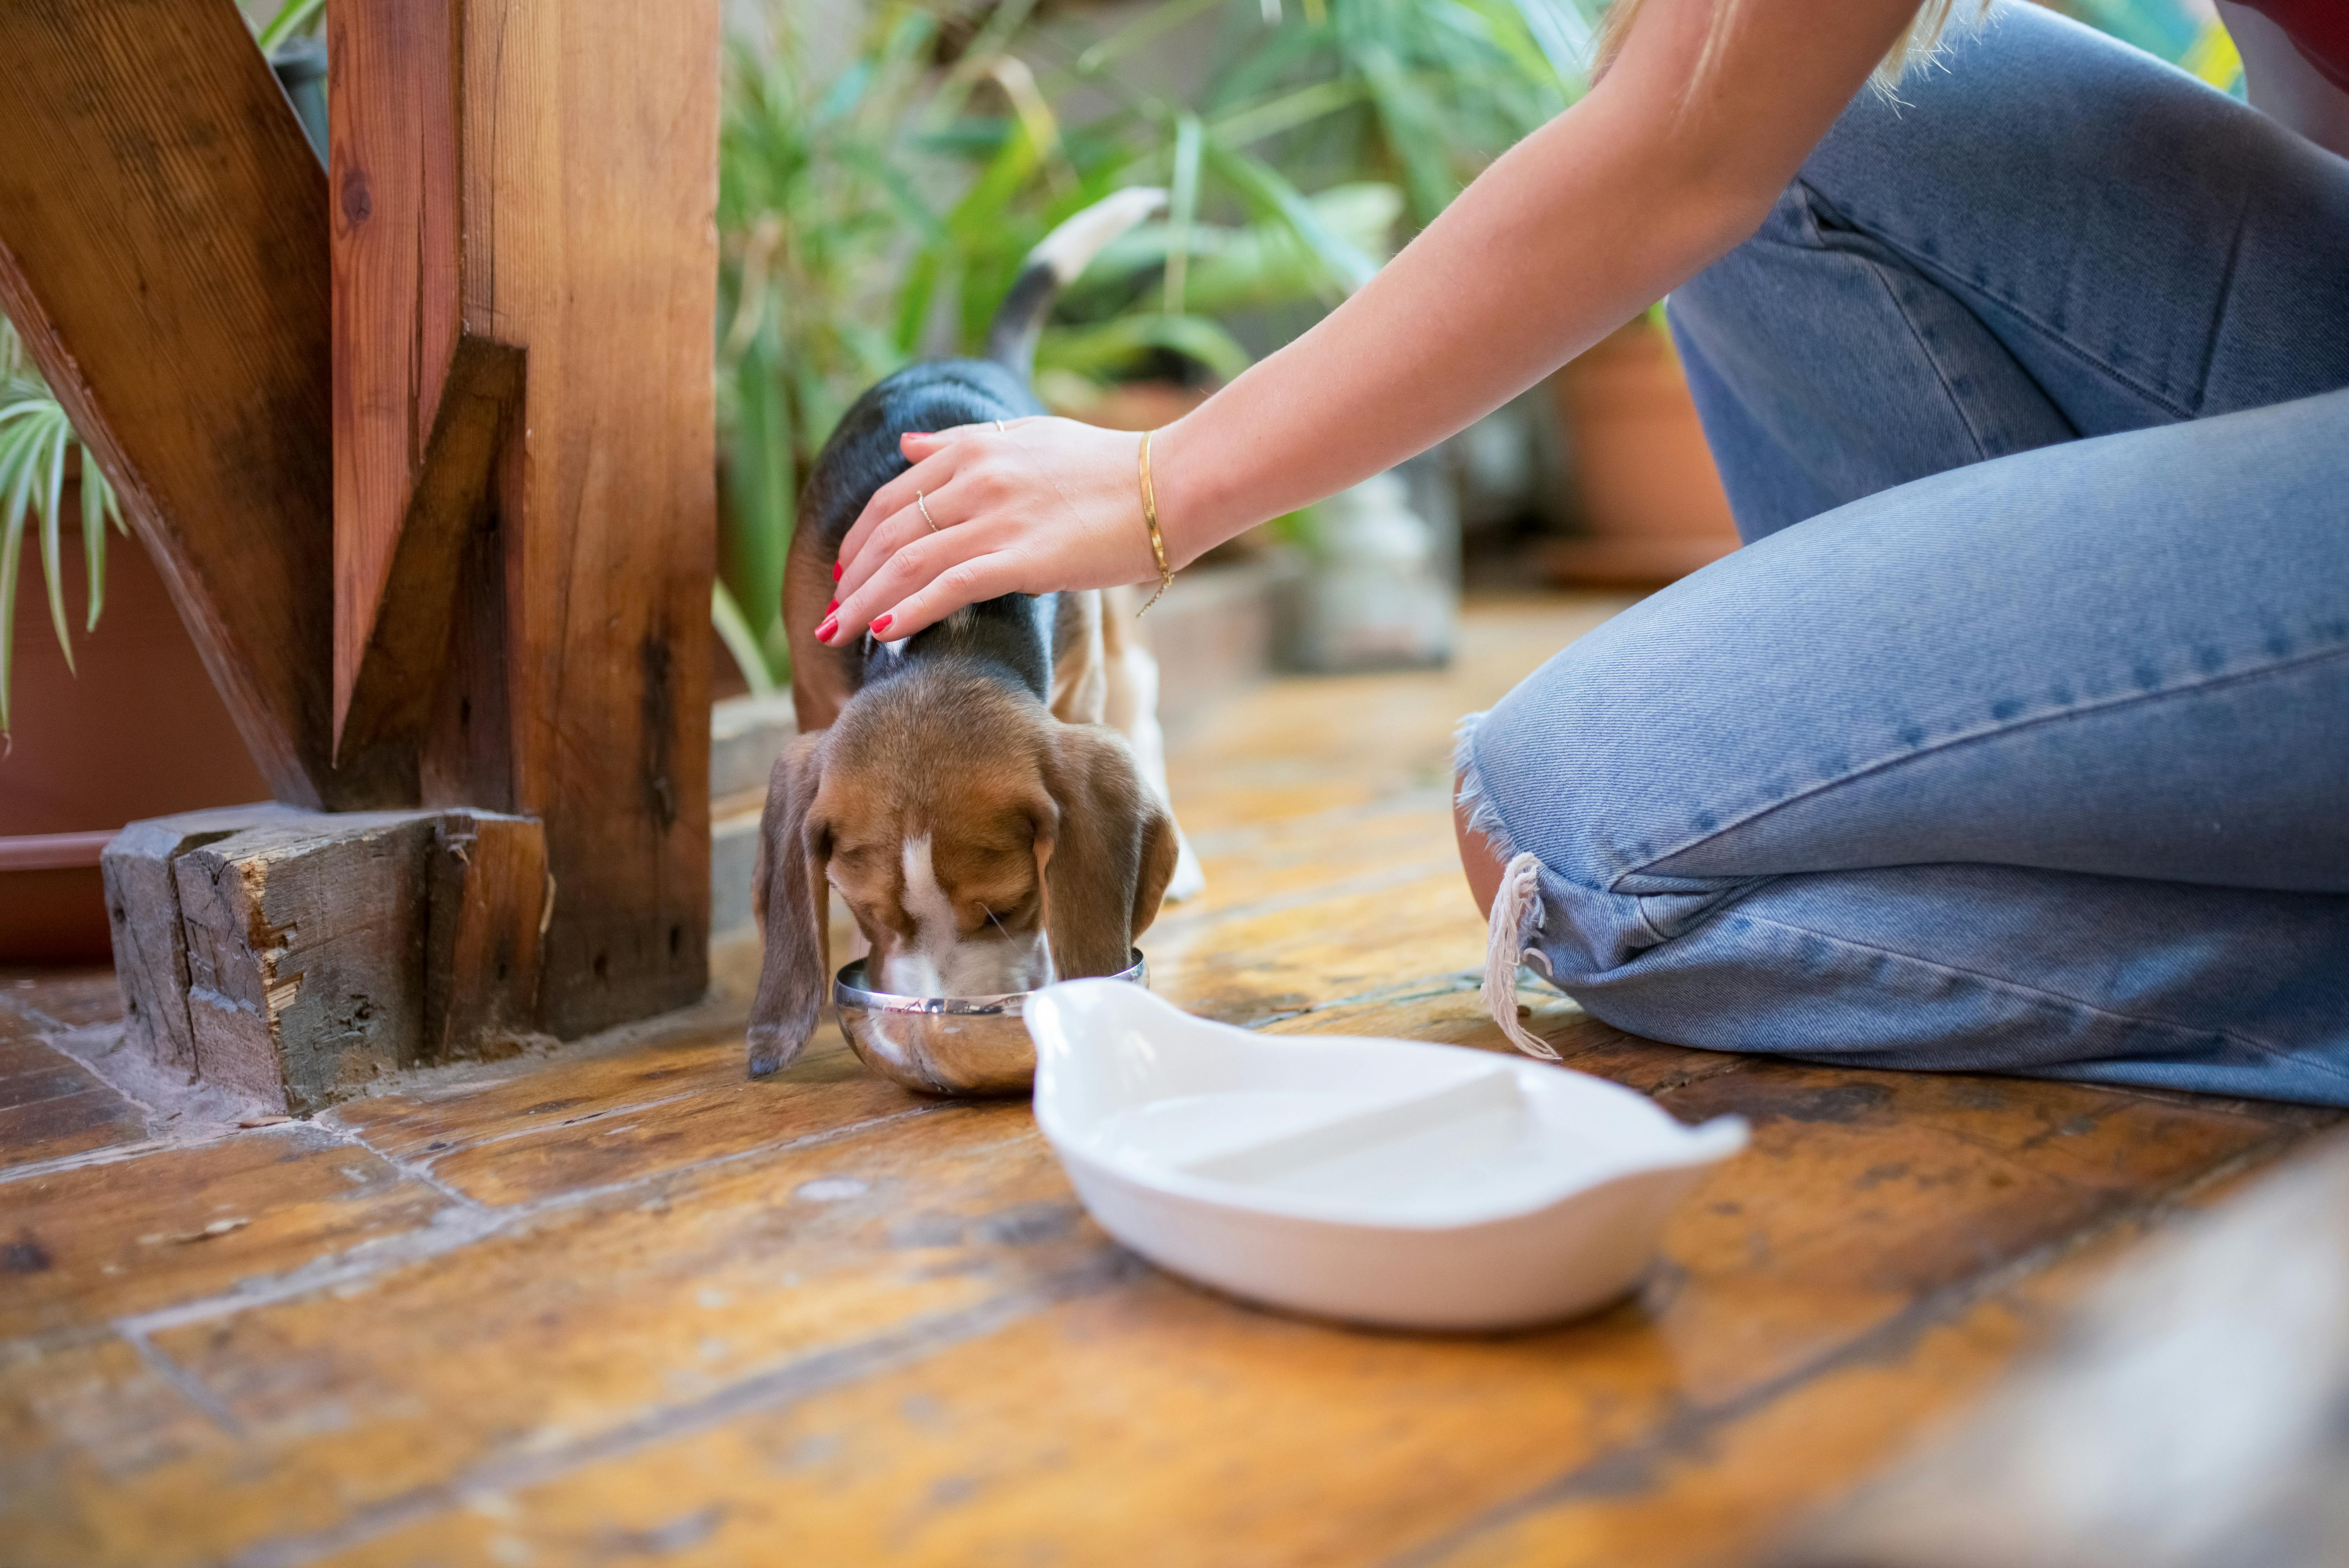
[1014, 632]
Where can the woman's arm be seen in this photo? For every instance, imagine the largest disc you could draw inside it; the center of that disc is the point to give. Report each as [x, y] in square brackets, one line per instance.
[2282, 85]
[1585, 222]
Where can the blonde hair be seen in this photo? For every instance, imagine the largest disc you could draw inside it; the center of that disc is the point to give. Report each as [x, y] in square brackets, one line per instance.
[1919, 42]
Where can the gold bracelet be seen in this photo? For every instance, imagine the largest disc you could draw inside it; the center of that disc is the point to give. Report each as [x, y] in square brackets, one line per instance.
[1150, 519]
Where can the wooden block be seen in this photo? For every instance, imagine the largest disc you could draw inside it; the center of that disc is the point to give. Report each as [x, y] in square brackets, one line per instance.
[490, 900]
[142, 910]
[295, 958]
[305, 953]
[160, 208]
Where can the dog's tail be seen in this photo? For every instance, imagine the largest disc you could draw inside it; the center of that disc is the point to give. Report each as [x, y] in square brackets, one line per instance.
[1054, 264]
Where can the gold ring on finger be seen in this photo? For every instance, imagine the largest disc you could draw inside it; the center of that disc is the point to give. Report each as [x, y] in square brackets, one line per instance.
[922, 502]
[1000, 429]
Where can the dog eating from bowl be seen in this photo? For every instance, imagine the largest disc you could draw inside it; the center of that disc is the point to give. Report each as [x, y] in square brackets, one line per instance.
[988, 796]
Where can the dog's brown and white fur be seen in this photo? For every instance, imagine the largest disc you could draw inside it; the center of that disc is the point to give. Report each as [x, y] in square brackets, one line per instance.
[989, 796]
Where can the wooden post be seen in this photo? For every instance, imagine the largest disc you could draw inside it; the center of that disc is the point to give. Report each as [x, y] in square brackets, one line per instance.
[444, 527]
[539, 179]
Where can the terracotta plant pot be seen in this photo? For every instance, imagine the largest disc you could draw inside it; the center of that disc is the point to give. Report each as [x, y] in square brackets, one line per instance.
[140, 732]
[1643, 484]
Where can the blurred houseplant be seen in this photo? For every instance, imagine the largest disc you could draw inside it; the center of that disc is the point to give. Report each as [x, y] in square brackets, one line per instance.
[881, 210]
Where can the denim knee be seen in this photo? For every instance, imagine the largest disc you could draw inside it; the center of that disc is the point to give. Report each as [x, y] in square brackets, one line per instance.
[1549, 771]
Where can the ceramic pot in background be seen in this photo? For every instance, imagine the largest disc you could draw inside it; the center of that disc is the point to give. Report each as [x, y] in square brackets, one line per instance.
[1643, 483]
[140, 732]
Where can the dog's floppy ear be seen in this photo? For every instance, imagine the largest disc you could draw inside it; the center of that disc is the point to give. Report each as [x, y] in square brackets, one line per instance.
[1107, 858]
[789, 896]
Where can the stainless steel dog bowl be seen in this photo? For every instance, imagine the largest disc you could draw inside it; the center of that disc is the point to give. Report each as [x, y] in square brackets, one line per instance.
[945, 1045]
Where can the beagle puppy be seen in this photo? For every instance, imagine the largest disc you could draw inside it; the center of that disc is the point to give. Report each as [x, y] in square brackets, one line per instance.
[988, 795]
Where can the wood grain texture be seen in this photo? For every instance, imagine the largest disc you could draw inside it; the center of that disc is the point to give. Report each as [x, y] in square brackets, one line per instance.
[525, 274]
[393, 227]
[487, 903]
[162, 250]
[593, 179]
[653, 1311]
[402, 615]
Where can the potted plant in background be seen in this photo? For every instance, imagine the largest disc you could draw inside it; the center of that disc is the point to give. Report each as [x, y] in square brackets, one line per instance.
[127, 726]
[880, 209]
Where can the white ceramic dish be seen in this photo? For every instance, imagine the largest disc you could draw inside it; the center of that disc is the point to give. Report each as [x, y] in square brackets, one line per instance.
[1380, 1181]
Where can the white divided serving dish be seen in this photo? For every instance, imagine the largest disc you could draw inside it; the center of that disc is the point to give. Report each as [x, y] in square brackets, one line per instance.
[1380, 1181]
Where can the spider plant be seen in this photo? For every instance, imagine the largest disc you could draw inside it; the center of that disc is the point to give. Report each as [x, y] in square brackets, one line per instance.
[36, 440]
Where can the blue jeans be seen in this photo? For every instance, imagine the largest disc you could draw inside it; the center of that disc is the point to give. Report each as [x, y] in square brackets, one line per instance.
[2016, 739]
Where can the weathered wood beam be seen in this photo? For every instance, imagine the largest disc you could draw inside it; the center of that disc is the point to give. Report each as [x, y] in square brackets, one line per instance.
[589, 162]
[405, 655]
[524, 591]
[393, 141]
[162, 250]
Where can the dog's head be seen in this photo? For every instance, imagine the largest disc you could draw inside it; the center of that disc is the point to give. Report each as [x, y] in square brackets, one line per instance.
[982, 845]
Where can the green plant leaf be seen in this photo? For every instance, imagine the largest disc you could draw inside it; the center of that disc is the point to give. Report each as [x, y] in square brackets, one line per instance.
[1239, 127]
[295, 17]
[1107, 347]
[1183, 206]
[1414, 127]
[1157, 20]
[50, 500]
[97, 501]
[15, 486]
[1266, 191]
[734, 631]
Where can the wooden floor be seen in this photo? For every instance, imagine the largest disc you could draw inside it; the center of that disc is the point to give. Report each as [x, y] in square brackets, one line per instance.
[619, 1304]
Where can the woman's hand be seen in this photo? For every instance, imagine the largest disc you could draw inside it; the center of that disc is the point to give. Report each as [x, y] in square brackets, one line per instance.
[1038, 506]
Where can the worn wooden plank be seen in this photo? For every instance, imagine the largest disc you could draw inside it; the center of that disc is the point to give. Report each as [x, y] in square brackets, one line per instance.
[183, 1226]
[611, 1313]
[51, 1105]
[150, 946]
[70, 999]
[683, 1317]
[159, 206]
[1330, 1441]
[89, 1416]
[538, 1136]
[1155, 1424]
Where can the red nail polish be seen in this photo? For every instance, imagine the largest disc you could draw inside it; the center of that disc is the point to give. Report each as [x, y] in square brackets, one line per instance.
[881, 624]
[831, 625]
[828, 609]
[835, 571]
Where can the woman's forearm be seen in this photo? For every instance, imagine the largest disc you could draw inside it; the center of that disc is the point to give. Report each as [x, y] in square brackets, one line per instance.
[1668, 161]
[1573, 232]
